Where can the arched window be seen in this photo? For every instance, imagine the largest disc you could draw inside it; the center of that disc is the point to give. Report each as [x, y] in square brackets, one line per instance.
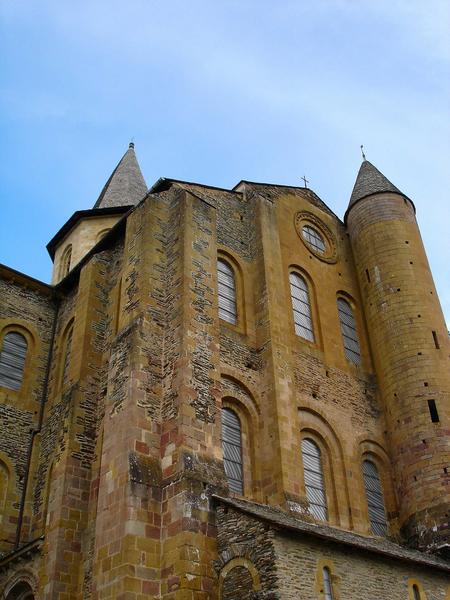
[12, 360]
[21, 591]
[348, 330]
[301, 307]
[65, 262]
[4, 479]
[67, 353]
[101, 234]
[416, 593]
[313, 477]
[375, 500]
[232, 450]
[227, 292]
[327, 587]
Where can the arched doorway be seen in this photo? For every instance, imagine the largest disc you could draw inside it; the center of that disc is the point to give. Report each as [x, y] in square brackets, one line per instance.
[21, 591]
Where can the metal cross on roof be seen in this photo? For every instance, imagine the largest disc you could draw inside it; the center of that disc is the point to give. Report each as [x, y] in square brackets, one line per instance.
[305, 180]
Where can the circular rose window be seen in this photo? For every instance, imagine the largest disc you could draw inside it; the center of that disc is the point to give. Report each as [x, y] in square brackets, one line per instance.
[316, 236]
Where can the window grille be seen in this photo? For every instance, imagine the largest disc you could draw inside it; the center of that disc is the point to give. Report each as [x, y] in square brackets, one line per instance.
[232, 450]
[348, 330]
[314, 239]
[67, 353]
[12, 360]
[375, 500]
[313, 476]
[327, 587]
[416, 592]
[227, 292]
[301, 307]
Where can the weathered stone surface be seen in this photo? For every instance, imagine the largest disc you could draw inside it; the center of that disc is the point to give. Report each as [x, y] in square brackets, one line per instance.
[124, 469]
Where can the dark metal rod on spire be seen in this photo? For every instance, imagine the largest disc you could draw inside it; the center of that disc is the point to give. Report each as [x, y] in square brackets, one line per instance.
[362, 152]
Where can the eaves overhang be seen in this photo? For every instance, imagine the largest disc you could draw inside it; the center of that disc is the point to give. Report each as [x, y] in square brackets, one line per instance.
[105, 242]
[24, 280]
[25, 552]
[164, 183]
[281, 520]
[80, 215]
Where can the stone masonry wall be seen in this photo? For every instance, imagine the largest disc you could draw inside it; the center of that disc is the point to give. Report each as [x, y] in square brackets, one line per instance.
[28, 308]
[354, 574]
[289, 565]
[411, 349]
[251, 542]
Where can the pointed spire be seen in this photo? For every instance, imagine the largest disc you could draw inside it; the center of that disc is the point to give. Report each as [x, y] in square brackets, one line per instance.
[370, 181]
[126, 186]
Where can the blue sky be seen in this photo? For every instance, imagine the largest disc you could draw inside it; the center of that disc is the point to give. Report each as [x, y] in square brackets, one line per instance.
[217, 92]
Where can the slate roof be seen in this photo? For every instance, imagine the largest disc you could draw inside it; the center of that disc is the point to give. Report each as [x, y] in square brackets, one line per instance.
[284, 520]
[370, 181]
[271, 191]
[126, 185]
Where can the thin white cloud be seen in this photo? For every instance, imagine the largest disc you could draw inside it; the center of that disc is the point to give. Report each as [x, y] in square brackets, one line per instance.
[350, 71]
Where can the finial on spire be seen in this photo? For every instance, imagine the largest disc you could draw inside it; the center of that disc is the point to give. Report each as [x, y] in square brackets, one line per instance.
[305, 180]
[362, 152]
[131, 144]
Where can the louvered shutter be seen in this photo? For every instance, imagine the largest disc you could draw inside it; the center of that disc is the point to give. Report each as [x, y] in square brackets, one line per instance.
[375, 500]
[313, 477]
[232, 450]
[226, 292]
[12, 360]
[327, 587]
[301, 307]
[348, 331]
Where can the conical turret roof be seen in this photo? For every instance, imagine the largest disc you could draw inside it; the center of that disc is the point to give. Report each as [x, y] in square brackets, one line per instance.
[126, 186]
[368, 182]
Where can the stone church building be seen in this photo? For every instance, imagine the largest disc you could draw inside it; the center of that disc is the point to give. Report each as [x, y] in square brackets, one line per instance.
[226, 394]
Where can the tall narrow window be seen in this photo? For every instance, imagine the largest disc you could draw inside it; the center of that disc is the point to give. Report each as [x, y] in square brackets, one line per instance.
[4, 478]
[375, 500]
[416, 592]
[12, 360]
[227, 292]
[327, 587]
[67, 353]
[313, 476]
[301, 307]
[65, 262]
[232, 450]
[348, 330]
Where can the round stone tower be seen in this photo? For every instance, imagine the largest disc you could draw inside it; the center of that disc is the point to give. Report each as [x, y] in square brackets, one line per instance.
[411, 350]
